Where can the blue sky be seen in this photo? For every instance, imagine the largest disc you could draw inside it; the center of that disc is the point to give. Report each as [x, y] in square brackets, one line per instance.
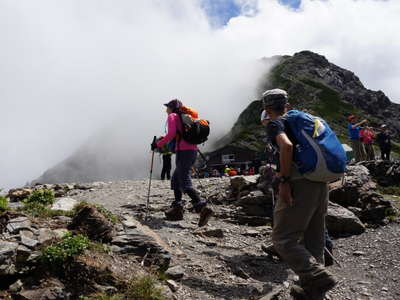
[221, 11]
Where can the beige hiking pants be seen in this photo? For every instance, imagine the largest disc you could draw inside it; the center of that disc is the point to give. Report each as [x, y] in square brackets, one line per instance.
[299, 230]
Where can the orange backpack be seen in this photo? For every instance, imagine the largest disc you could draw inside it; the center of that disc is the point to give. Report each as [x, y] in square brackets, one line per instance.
[195, 131]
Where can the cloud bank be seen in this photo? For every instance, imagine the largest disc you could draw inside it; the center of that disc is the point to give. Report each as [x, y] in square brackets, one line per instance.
[67, 68]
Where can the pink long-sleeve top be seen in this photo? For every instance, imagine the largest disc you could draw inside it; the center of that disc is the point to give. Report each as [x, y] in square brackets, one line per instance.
[174, 125]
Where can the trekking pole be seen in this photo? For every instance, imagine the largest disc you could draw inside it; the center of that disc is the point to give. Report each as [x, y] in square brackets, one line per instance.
[333, 258]
[151, 175]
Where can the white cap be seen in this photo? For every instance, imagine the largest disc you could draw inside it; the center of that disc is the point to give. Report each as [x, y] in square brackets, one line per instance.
[264, 116]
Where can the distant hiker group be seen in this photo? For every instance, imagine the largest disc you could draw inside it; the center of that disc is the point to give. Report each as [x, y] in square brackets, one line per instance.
[363, 139]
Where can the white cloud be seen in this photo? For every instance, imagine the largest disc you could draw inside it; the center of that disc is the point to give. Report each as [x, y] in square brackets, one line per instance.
[66, 67]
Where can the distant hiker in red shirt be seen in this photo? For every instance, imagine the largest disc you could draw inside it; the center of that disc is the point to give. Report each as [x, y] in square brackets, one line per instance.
[367, 136]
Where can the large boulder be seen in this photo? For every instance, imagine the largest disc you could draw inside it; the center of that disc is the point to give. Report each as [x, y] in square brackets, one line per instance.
[19, 194]
[386, 173]
[89, 221]
[358, 190]
[340, 220]
[64, 204]
[256, 203]
[239, 183]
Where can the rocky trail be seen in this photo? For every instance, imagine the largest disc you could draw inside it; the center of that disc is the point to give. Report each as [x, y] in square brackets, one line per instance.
[224, 260]
[96, 252]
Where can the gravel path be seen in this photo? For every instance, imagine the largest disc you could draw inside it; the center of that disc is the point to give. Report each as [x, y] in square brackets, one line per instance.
[234, 266]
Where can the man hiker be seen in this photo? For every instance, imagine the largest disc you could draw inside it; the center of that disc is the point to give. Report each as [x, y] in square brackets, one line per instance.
[167, 166]
[186, 154]
[269, 175]
[367, 137]
[384, 142]
[300, 209]
[354, 133]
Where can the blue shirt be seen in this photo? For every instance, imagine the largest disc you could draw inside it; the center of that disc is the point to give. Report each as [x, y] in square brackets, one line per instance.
[354, 133]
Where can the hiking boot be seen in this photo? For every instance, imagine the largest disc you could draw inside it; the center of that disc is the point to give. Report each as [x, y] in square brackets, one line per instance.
[316, 288]
[198, 206]
[175, 213]
[270, 250]
[298, 293]
[205, 214]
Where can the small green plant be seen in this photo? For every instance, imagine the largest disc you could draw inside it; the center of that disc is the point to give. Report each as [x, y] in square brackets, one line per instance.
[108, 214]
[65, 250]
[389, 190]
[41, 196]
[36, 205]
[3, 203]
[144, 288]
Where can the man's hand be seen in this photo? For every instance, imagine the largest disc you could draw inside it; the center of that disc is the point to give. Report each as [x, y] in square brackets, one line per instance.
[285, 193]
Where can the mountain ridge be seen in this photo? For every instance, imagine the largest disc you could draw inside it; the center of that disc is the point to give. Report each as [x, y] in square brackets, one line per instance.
[321, 88]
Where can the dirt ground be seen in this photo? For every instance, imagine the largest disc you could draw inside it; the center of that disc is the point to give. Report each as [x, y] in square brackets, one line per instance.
[234, 266]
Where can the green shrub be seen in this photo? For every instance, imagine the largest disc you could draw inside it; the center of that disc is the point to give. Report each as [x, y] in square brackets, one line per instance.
[65, 250]
[41, 196]
[144, 288]
[108, 214]
[3, 203]
[39, 210]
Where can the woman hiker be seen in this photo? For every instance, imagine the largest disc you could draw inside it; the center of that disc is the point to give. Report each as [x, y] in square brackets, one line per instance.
[181, 181]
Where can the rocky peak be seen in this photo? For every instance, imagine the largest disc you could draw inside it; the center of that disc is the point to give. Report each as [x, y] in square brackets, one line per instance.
[322, 88]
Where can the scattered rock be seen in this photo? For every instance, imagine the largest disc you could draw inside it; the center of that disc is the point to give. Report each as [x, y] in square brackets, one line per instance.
[274, 294]
[358, 253]
[217, 233]
[239, 183]
[48, 293]
[16, 286]
[252, 233]
[386, 173]
[128, 223]
[19, 194]
[82, 186]
[8, 251]
[23, 253]
[172, 285]
[144, 247]
[243, 219]
[16, 225]
[45, 235]
[176, 272]
[238, 271]
[358, 191]
[64, 204]
[59, 233]
[28, 239]
[340, 220]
